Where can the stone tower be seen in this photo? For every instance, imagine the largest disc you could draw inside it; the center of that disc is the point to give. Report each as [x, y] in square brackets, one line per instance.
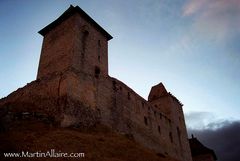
[74, 56]
[172, 108]
[74, 40]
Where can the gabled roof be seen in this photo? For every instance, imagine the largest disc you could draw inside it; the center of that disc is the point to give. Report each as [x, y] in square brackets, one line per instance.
[197, 148]
[69, 12]
[157, 91]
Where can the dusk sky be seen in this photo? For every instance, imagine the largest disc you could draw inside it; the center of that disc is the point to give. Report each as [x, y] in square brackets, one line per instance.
[192, 46]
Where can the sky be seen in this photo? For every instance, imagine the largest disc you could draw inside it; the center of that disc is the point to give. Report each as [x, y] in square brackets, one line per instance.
[192, 46]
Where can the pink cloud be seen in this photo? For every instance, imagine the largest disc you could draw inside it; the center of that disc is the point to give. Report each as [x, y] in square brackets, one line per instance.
[193, 6]
[217, 19]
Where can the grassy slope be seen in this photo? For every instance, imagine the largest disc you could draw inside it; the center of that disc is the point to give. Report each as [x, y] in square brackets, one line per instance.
[98, 144]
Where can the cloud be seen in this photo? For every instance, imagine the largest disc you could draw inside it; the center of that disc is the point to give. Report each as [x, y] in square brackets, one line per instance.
[224, 140]
[193, 6]
[217, 19]
[203, 120]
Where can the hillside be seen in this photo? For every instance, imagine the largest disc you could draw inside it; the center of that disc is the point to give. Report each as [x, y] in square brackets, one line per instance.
[99, 143]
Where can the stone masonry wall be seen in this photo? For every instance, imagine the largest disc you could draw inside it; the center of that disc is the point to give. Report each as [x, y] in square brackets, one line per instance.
[49, 98]
[171, 107]
[74, 98]
[128, 113]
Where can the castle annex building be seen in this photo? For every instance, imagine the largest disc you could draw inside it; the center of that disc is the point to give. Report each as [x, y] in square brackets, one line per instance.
[73, 88]
[201, 152]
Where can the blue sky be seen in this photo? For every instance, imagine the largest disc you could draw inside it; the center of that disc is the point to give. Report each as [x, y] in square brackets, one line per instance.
[191, 46]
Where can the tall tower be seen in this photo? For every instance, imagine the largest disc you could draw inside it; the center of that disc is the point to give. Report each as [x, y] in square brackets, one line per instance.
[172, 108]
[74, 40]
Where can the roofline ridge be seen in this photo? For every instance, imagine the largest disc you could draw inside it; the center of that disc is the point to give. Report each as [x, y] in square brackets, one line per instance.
[71, 10]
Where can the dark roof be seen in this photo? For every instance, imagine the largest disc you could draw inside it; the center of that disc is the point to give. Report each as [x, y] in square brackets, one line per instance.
[197, 148]
[69, 12]
[157, 91]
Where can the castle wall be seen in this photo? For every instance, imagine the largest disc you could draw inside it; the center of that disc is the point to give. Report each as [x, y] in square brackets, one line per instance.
[172, 108]
[74, 98]
[51, 97]
[127, 112]
[121, 108]
[27, 98]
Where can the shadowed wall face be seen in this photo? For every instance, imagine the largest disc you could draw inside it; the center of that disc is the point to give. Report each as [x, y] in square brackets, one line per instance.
[57, 48]
[206, 157]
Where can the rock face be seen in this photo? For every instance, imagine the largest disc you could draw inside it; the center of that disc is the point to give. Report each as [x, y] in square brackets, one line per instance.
[73, 88]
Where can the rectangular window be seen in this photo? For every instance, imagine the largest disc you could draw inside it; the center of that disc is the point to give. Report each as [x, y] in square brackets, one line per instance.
[170, 137]
[145, 120]
[99, 50]
[159, 129]
[129, 96]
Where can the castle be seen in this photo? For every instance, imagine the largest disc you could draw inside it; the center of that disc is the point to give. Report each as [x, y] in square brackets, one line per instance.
[73, 88]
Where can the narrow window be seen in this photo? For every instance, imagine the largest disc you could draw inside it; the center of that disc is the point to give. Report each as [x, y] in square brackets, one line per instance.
[142, 104]
[99, 49]
[145, 120]
[159, 129]
[97, 72]
[114, 85]
[170, 137]
[169, 121]
[84, 42]
[179, 136]
[129, 96]
[160, 116]
[155, 113]
[99, 111]
[99, 43]
[166, 119]
[99, 58]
